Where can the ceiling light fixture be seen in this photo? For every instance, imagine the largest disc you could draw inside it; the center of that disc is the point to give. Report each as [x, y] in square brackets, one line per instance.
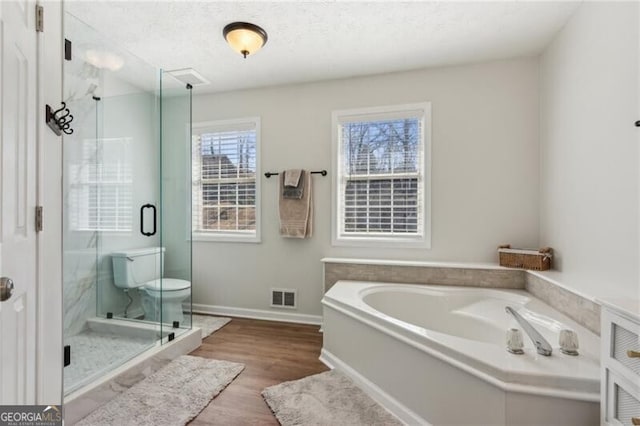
[244, 38]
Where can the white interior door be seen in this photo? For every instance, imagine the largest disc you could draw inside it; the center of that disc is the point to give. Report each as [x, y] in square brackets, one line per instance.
[18, 201]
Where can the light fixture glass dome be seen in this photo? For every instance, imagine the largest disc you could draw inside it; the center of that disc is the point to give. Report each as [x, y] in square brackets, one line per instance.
[244, 38]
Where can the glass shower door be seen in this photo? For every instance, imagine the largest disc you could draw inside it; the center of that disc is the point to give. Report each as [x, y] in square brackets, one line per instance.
[111, 168]
[130, 198]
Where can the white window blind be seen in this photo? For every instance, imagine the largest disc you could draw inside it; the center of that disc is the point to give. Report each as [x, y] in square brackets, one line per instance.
[224, 179]
[101, 187]
[381, 175]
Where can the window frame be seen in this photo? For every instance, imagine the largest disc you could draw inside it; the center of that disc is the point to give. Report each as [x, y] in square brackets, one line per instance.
[230, 236]
[378, 240]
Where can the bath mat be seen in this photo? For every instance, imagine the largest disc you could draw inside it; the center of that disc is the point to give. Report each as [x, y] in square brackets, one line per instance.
[208, 324]
[327, 398]
[171, 396]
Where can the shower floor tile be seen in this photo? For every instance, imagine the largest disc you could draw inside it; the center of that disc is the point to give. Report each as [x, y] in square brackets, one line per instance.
[94, 354]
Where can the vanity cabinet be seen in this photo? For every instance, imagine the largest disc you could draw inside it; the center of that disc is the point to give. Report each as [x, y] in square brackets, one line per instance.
[620, 364]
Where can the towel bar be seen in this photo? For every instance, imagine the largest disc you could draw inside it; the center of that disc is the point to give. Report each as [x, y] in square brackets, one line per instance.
[318, 172]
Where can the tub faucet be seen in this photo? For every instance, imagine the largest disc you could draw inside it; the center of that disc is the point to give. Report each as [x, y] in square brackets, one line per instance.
[542, 346]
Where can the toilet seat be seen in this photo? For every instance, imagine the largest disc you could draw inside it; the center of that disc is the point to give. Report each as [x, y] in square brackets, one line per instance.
[167, 284]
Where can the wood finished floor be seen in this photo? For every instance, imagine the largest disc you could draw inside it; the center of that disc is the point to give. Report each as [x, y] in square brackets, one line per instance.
[272, 352]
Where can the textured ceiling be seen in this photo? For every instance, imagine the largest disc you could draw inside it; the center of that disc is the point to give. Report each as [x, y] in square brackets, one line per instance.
[311, 41]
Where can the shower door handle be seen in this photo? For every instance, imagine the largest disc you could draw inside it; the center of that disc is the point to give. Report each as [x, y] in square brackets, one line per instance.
[142, 209]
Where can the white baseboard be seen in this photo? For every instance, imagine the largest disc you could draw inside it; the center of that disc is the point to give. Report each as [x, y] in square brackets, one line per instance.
[257, 314]
[391, 404]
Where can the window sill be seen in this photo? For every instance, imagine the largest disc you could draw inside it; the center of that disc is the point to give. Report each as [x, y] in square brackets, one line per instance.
[382, 242]
[225, 238]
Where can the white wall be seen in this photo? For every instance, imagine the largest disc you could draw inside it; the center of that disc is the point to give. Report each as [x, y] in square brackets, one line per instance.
[485, 173]
[589, 150]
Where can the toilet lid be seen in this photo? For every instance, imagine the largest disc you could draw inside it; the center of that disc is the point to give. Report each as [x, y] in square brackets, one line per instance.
[167, 284]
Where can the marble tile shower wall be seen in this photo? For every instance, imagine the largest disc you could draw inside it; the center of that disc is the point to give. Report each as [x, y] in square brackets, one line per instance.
[79, 245]
[79, 280]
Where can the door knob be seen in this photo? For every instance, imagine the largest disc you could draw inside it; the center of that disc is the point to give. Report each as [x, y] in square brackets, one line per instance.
[6, 288]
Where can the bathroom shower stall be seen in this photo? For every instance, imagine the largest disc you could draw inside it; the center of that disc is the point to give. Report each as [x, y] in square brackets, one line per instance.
[127, 207]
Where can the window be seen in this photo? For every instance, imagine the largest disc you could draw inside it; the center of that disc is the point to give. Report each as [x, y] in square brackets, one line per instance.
[381, 185]
[225, 191]
[101, 186]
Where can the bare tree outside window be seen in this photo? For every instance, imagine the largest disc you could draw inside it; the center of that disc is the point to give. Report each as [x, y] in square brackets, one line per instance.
[381, 176]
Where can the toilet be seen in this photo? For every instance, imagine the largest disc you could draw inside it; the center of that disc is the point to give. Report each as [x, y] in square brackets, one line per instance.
[143, 269]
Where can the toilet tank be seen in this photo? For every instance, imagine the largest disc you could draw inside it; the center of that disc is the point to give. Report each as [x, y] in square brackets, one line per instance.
[133, 268]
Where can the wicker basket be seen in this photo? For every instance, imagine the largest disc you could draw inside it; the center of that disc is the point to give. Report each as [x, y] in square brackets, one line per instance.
[538, 260]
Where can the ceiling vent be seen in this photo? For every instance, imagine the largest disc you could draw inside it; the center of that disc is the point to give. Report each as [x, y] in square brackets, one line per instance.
[189, 76]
